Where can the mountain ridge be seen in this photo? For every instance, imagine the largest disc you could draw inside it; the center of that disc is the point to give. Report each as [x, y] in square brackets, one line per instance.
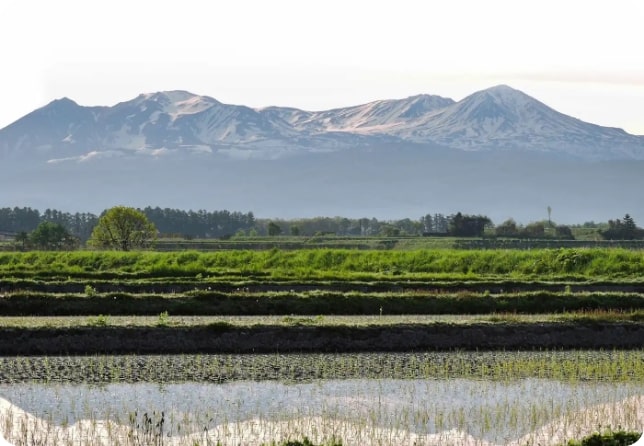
[157, 124]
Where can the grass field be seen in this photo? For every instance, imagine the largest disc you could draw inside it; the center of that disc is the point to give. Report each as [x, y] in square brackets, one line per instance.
[339, 263]
[591, 283]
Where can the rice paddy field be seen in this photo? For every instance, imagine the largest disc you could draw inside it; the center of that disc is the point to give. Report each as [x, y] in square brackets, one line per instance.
[335, 346]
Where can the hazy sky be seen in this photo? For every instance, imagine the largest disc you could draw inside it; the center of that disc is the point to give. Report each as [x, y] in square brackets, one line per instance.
[584, 58]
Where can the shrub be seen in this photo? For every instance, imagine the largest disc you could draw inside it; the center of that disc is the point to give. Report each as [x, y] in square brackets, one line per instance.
[610, 438]
[164, 319]
[99, 321]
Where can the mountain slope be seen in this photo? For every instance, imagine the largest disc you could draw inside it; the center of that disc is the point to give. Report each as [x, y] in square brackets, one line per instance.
[378, 117]
[44, 131]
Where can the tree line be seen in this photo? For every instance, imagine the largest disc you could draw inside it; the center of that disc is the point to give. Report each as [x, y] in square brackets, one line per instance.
[199, 224]
[16, 220]
[224, 223]
[54, 229]
[169, 222]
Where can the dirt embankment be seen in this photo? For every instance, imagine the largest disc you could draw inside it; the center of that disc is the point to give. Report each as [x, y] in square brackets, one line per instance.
[272, 339]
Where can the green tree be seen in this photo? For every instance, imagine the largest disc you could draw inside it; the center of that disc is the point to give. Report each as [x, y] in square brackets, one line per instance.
[428, 223]
[630, 228]
[534, 230]
[123, 228]
[51, 236]
[622, 229]
[507, 229]
[468, 225]
[23, 238]
[274, 229]
[295, 230]
[389, 230]
[564, 232]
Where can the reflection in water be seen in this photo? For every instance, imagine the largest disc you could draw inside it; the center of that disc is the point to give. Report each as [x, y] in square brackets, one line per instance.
[491, 410]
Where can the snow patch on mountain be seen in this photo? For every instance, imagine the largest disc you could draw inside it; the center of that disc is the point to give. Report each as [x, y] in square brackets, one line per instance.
[175, 103]
[374, 117]
[87, 157]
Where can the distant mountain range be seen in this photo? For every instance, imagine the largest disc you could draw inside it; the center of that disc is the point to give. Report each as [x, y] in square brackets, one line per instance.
[498, 152]
[499, 118]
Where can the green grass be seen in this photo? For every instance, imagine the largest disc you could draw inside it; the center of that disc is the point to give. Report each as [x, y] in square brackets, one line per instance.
[324, 281]
[339, 263]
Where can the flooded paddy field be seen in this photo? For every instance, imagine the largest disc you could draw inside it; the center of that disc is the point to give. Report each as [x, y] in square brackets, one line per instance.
[464, 398]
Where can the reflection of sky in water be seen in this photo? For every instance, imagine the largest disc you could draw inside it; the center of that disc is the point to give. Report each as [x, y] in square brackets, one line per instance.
[487, 409]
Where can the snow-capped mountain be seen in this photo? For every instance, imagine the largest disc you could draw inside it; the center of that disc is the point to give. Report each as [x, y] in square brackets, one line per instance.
[154, 124]
[504, 118]
[497, 152]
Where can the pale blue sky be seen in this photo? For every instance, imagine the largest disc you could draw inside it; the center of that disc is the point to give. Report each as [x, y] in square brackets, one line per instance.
[584, 58]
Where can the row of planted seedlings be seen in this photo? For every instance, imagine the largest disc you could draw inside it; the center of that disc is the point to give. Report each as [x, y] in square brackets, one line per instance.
[571, 366]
